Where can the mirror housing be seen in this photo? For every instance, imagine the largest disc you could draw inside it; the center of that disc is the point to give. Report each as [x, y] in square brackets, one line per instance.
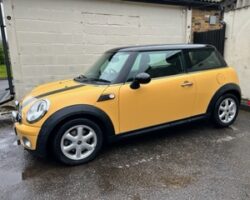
[141, 78]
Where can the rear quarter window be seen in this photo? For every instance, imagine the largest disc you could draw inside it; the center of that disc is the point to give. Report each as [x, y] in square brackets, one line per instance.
[202, 59]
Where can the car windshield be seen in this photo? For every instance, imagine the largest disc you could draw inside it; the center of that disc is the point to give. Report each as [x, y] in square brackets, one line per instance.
[106, 69]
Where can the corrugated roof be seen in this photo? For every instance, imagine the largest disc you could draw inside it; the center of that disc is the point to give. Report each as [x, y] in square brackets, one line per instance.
[195, 3]
[213, 1]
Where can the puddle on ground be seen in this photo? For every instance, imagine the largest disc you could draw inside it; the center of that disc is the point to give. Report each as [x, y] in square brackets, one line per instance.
[9, 178]
[5, 143]
[234, 128]
[225, 139]
[178, 181]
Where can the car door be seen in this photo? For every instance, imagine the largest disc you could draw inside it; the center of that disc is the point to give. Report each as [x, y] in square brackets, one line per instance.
[207, 67]
[169, 96]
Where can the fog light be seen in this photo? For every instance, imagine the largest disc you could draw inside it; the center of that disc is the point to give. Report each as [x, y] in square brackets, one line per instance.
[26, 142]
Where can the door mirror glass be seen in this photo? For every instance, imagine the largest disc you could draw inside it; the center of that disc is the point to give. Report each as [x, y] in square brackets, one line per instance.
[141, 78]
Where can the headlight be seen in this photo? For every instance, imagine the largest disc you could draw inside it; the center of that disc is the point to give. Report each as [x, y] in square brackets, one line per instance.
[37, 110]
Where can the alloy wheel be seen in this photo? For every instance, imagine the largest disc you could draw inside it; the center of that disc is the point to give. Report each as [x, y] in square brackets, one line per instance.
[227, 110]
[78, 142]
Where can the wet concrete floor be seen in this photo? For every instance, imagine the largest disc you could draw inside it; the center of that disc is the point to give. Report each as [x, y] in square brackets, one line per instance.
[195, 161]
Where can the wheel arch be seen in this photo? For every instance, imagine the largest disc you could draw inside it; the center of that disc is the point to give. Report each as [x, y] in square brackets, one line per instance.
[230, 88]
[52, 124]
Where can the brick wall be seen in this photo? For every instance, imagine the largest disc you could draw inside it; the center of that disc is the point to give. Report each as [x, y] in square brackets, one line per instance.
[57, 39]
[200, 20]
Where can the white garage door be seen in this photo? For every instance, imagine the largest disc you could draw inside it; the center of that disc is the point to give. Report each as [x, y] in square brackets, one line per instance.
[55, 39]
[237, 46]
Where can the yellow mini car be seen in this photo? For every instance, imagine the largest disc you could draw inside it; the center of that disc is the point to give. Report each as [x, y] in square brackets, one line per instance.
[130, 90]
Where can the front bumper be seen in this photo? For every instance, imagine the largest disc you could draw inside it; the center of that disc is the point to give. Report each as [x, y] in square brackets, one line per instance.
[28, 136]
[27, 133]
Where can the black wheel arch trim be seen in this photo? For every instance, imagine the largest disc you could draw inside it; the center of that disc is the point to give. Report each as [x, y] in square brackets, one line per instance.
[227, 88]
[71, 112]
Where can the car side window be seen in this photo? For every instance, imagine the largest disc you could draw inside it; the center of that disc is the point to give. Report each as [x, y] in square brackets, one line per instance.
[201, 59]
[157, 64]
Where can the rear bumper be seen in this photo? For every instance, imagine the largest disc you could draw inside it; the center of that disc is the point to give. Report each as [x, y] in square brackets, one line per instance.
[245, 104]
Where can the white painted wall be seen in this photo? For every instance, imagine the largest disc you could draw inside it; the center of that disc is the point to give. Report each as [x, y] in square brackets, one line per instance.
[57, 39]
[237, 47]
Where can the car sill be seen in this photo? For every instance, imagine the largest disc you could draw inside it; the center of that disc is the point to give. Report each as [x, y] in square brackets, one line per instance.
[152, 129]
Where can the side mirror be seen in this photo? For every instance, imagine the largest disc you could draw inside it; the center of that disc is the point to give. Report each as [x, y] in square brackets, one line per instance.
[141, 78]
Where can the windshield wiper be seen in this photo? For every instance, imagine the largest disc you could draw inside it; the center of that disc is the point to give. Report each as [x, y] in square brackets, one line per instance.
[80, 78]
[99, 79]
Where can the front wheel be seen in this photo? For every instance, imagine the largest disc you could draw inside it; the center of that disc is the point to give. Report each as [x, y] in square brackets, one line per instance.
[226, 110]
[78, 141]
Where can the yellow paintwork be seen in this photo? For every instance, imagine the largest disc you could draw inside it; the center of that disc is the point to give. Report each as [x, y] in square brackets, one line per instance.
[162, 100]
[87, 94]
[29, 132]
[111, 107]
[83, 95]
[208, 82]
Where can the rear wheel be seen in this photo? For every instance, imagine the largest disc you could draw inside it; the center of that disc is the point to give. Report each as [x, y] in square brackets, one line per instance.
[226, 110]
[78, 141]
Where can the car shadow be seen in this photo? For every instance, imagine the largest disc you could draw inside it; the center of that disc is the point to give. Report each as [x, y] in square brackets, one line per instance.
[187, 129]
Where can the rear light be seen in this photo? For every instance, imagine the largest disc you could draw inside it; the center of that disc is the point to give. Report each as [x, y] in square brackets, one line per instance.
[248, 103]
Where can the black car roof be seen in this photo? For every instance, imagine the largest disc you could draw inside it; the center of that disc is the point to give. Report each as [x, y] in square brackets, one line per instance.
[159, 47]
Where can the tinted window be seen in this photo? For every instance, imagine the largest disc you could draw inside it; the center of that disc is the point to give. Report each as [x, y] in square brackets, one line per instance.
[157, 64]
[199, 59]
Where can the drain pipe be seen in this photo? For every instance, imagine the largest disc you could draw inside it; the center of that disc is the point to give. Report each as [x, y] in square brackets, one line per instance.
[6, 56]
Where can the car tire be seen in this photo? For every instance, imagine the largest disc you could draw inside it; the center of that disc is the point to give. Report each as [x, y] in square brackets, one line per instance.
[78, 141]
[225, 110]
